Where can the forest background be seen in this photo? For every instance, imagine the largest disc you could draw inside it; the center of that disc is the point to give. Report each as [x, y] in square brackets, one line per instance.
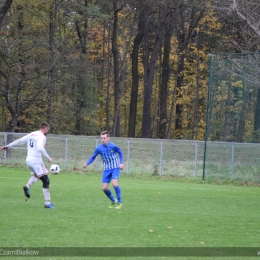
[138, 68]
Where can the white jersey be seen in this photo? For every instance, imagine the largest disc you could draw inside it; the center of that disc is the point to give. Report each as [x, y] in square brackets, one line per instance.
[35, 146]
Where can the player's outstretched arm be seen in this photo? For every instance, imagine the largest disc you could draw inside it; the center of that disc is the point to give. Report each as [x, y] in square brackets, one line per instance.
[92, 158]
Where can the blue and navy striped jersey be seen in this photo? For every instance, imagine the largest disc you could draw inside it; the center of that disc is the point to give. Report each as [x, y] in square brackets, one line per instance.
[108, 155]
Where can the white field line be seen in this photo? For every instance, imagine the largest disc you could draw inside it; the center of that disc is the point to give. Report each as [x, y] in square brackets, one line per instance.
[12, 178]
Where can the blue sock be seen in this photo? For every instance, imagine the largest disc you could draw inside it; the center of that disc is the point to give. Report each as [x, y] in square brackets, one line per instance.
[109, 194]
[118, 194]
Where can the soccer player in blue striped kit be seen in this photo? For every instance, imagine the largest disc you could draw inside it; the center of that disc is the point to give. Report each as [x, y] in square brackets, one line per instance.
[112, 166]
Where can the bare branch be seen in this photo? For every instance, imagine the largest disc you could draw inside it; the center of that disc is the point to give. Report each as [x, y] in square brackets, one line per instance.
[246, 11]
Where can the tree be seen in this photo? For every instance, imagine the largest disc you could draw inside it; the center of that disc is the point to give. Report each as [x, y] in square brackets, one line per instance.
[189, 17]
[3, 10]
[117, 81]
[245, 15]
[135, 73]
[151, 51]
[81, 26]
[247, 11]
[163, 96]
[28, 63]
[13, 82]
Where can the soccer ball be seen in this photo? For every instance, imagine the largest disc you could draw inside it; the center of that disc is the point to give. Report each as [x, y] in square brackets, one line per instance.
[55, 169]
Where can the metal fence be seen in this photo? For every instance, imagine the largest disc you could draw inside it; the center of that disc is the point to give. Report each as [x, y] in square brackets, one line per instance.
[230, 160]
[180, 158]
[141, 156]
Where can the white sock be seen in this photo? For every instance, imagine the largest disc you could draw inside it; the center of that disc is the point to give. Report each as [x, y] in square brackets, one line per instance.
[47, 196]
[31, 181]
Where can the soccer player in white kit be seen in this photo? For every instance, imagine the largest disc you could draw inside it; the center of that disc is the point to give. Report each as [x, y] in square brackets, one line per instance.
[35, 150]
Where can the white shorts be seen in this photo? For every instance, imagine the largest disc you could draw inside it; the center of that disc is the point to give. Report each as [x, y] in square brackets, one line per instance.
[37, 168]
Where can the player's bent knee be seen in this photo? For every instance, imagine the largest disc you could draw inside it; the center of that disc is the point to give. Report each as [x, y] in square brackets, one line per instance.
[104, 187]
[45, 181]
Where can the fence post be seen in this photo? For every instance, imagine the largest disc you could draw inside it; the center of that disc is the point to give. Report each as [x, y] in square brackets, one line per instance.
[5, 143]
[128, 155]
[66, 153]
[161, 154]
[196, 159]
[232, 161]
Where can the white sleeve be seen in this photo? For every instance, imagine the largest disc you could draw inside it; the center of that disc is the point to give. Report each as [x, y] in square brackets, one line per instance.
[19, 141]
[41, 149]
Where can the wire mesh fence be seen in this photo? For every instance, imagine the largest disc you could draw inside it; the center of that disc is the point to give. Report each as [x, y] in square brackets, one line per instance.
[177, 158]
[141, 156]
[233, 113]
[237, 161]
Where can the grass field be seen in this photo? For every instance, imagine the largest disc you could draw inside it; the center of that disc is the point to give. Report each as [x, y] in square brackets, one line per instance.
[164, 213]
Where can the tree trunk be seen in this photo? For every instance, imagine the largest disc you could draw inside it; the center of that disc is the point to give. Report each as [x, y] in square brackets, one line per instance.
[179, 95]
[242, 117]
[117, 82]
[149, 68]
[51, 76]
[108, 82]
[185, 35]
[195, 131]
[146, 121]
[79, 86]
[7, 4]
[226, 120]
[257, 112]
[165, 78]
[135, 75]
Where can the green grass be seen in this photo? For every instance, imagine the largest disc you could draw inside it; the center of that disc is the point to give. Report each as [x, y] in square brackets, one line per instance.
[156, 213]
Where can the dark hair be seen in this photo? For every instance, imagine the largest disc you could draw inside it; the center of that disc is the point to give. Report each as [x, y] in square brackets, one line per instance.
[105, 133]
[44, 125]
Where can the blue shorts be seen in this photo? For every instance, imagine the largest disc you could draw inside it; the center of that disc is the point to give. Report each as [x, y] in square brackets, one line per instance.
[108, 175]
